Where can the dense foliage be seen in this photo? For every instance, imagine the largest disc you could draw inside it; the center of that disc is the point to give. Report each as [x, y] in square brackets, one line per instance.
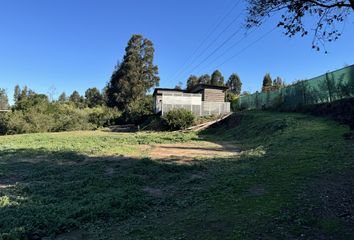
[4, 101]
[267, 83]
[192, 81]
[139, 110]
[93, 97]
[36, 114]
[177, 119]
[204, 79]
[234, 85]
[135, 75]
[126, 91]
[217, 79]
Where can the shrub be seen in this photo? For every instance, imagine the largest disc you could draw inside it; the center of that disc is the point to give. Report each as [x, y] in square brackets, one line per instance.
[177, 119]
[154, 123]
[3, 122]
[55, 117]
[103, 116]
[139, 110]
[70, 118]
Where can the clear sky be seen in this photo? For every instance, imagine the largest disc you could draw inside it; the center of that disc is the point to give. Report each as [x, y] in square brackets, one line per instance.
[74, 44]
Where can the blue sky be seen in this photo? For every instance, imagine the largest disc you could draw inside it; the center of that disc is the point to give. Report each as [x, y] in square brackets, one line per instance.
[74, 44]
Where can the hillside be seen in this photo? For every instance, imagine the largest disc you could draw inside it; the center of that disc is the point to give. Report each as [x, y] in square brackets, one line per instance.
[281, 176]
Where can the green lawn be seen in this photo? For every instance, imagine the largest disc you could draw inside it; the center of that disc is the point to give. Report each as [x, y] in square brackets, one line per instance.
[293, 179]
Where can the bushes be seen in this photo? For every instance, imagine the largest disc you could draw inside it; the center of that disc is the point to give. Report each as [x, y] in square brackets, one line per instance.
[177, 119]
[103, 116]
[56, 117]
[70, 118]
[3, 122]
[139, 111]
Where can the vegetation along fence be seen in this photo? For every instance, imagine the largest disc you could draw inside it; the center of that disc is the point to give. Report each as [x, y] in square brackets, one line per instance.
[329, 87]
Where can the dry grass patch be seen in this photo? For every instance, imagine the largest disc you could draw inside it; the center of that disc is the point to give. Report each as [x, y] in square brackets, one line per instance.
[191, 150]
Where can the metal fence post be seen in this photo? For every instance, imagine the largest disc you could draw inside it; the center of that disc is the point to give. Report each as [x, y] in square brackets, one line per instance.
[303, 92]
[329, 90]
[240, 101]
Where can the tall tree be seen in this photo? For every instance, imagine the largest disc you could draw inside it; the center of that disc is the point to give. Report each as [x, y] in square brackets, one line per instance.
[62, 97]
[327, 14]
[77, 99]
[234, 84]
[179, 86]
[192, 81]
[135, 75]
[24, 93]
[104, 95]
[278, 83]
[17, 93]
[93, 97]
[217, 79]
[267, 83]
[4, 101]
[204, 79]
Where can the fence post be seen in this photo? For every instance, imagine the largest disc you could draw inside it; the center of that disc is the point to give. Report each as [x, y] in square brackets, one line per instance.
[329, 90]
[240, 101]
[303, 93]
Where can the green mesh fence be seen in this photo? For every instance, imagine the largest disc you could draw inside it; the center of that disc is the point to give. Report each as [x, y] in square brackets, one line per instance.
[329, 87]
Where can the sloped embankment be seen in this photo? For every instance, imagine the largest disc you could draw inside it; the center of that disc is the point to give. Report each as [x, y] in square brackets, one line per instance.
[294, 180]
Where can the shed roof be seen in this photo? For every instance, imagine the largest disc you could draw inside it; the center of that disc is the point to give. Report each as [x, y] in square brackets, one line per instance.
[199, 87]
[196, 88]
[168, 89]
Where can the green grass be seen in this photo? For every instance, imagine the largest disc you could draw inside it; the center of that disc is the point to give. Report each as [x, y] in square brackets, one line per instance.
[293, 179]
[91, 142]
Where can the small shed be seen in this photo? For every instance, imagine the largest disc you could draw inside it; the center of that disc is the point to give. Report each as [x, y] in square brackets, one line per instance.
[202, 100]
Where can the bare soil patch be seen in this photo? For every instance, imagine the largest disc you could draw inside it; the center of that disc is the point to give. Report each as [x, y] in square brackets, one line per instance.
[188, 151]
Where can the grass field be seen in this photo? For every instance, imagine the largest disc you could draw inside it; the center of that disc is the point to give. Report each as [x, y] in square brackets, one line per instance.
[293, 178]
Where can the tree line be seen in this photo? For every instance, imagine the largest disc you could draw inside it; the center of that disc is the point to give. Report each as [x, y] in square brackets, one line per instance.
[233, 83]
[124, 99]
[272, 85]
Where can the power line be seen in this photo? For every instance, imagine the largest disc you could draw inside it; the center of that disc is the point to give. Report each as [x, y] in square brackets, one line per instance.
[215, 50]
[232, 46]
[215, 39]
[220, 20]
[248, 46]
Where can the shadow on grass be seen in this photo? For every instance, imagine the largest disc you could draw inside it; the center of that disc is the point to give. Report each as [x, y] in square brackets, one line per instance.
[281, 188]
[44, 193]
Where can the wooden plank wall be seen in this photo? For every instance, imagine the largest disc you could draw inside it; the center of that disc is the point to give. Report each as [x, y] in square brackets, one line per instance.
[213, 95]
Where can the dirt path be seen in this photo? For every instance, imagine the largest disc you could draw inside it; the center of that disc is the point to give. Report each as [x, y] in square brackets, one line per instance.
[190, 151]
